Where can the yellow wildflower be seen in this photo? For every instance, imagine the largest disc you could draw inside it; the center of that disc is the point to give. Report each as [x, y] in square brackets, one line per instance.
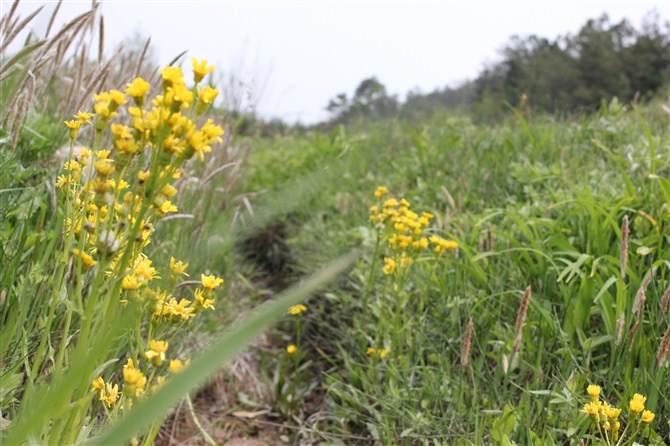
[203, 301]
[98, 384]
[291, 349]
[383, 353]
[166, 207]
[111, 395]
[371, 351]
[172, 76]
[380, 192]
[169, 190]
[63, 181]
[212, 132]
[592, 409]
[137, 89]
[104, 167]
[389, 266]
[210, 282]
[181, 309]
[156, 352]
[134, 381]
[175, 366]
[200, 69]
[74, 125]
[612, 412]
[178, 267]
[83, 117]
[130, 283]
[297, 309]
[647, 417]
[593, 390]
[637, 403]
[116, 98]
[86, 258]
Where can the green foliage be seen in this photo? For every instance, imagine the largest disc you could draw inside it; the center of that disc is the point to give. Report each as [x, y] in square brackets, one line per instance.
[536, 201]
[602, 61]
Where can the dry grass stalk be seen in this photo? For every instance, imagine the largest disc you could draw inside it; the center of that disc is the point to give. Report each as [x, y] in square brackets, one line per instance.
[142, 56]
[15, 30]
[520, 320]
[640, 296]
[467, 342]
[625, 232]
[101, 39]
[5, 21]
[489, 238]
[621, 320]
[662, 354]
[52, 19]
[665, 300]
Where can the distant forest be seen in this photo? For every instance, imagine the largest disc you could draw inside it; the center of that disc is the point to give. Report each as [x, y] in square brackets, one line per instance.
[571, 73]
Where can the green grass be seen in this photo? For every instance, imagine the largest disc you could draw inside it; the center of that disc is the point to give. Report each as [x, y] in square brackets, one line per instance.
[535, 201]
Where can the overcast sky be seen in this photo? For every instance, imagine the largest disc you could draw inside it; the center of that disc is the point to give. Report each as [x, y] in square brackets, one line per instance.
[294, 56]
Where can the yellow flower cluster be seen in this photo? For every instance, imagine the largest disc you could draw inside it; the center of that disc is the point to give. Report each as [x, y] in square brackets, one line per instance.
[606, 417]
[405, 229]
[115, 192]
[381, 353]
[135, 380]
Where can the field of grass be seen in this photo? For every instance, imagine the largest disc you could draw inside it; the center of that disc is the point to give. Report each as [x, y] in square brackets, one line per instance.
[437, 282]
[534, 204]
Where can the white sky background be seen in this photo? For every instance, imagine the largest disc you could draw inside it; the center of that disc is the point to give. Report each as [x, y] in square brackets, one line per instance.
[292, 57]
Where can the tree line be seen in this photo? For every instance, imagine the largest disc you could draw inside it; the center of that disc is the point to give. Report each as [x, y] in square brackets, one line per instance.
[574, 72]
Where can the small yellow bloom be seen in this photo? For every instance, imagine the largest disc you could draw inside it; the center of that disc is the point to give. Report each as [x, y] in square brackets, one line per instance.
[86, 259]
[175, 366]
[200, 69]
[297, 309]
[612, 412]
[291, 349]
[98, 384]
[592, 409]
[83, 117]
[389, 266]
[104, 167]
[210, 282]
[74, 125]
[371, 351]
[134, 381]
[202, 300]
[637, 403]
[138, 89]
[208, 94]
[117, 98]
[380, 192]
[593, 391]
[205, 98]
[647, 417]
[156, 352]
[212, 132]
[383, 353]
[178, 267]
[130, 283]
[111, 394]
[167, 206]
[169, 191]
[172, 76]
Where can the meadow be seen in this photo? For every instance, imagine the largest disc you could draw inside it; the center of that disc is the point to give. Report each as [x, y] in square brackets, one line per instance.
[437, 281]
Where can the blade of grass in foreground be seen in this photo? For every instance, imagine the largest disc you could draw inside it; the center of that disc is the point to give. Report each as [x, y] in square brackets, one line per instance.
[231, 342]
